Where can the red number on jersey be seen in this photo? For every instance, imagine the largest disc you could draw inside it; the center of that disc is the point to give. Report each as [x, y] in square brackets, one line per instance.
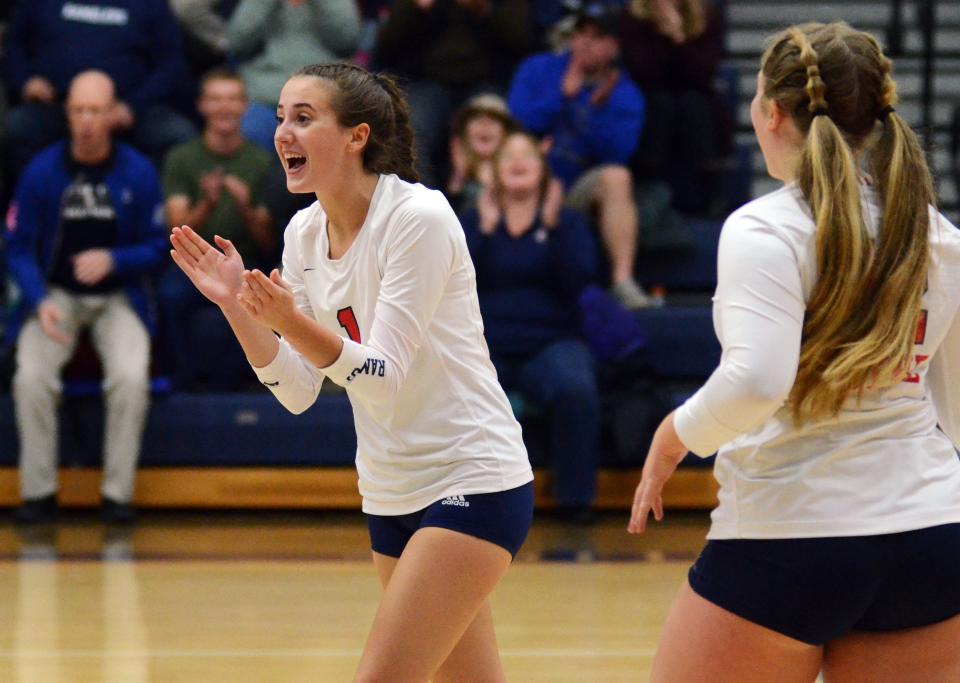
[914, 377]
[348, 321]
[921, 336]
[921, 328]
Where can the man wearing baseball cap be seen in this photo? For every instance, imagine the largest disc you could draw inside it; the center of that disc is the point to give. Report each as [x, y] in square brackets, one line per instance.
[593, 114]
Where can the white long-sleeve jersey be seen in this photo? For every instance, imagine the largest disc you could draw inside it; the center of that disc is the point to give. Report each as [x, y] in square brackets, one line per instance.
[432, 420]
[883, 465]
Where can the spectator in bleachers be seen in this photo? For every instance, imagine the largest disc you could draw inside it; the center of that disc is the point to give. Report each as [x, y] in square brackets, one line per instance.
[479, 129]
[529, 275]
[672, 49]
[273, 38]
[136, 42]
[449, 51]
[214, 184]
[204, 25]
[593, 114]
[83, 232]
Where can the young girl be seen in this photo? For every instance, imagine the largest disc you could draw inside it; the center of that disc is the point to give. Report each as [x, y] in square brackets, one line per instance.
[837, 537]
[378, 294]
[479, 129]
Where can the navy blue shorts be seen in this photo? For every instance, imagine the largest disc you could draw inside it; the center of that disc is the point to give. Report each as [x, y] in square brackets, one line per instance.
[502, 518]
[818, 589]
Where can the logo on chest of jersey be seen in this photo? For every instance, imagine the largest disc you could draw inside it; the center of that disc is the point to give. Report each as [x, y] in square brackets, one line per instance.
[371, 366]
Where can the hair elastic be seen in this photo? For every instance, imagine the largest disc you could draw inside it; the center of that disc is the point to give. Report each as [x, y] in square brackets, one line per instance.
[885, 112]
[819, 111]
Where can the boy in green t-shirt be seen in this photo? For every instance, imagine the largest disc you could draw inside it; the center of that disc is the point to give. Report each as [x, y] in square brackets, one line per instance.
[214, 184]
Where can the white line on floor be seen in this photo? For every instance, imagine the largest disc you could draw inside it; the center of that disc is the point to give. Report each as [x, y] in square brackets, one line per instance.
[316, 654]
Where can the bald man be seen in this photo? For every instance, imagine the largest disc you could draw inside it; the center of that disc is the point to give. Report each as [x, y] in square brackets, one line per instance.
[83, 234]
[49, 42]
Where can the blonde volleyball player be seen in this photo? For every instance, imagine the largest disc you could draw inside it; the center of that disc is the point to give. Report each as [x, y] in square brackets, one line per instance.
[836, 541]
[378, 294]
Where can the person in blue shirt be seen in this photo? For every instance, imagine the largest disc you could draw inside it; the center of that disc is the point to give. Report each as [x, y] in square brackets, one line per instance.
[135, 42]
[593, 114]
[84, 232]
[531, 267]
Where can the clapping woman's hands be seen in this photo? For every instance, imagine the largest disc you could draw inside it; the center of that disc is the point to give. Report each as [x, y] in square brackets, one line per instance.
[217, 274]
[268, 300]
[552, 204]
[489, 211]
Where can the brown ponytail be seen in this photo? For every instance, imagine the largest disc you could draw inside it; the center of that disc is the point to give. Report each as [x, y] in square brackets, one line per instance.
[374, 99]
[899, 168]
[862, 314]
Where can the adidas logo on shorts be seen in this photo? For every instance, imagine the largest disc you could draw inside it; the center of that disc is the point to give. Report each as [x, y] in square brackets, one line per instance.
[456, 500]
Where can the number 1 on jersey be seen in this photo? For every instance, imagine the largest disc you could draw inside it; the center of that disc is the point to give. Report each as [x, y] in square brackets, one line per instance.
[348, 321]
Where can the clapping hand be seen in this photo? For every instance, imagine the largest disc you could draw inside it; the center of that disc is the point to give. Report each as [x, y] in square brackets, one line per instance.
[217, 274]
[268, 300]
[552, 204]
[574, 77]
[123, 116]
[92, 265]
[669, 20]
[458, 166]
[666, 452]
[238, 189]
[38, 89]
[488, 210]
[211, 184]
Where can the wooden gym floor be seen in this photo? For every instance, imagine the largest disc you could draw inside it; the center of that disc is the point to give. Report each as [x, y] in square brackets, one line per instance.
[287, 598]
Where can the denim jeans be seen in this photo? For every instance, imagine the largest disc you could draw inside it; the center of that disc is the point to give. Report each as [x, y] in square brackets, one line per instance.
[561, 379]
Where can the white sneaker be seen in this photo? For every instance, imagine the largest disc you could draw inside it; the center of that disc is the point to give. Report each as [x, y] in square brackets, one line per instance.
[631, 295]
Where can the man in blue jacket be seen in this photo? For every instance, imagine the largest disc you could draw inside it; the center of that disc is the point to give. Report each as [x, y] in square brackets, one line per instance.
[592, 113]
[83, 234]
[136, 42]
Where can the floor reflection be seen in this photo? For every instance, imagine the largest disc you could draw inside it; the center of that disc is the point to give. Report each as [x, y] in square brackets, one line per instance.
[328, 536]
[113, 640]
[248, 598]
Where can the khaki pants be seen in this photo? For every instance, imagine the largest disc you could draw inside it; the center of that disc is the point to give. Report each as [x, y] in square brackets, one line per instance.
[123, 344]
[582, 194]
